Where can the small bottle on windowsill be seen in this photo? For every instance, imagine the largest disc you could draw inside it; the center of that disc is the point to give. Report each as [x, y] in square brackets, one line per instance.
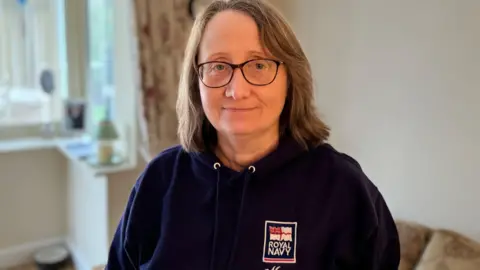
[106, 137]
[105, 150]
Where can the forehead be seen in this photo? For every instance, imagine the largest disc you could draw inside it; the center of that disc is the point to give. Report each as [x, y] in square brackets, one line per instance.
[230, 34]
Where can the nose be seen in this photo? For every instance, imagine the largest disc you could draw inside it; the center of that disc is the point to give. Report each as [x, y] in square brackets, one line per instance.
[238, 87]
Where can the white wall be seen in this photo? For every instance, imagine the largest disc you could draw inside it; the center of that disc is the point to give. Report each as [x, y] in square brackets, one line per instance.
[119, 187]
[32, 197]
[399, 82]
[87, 215]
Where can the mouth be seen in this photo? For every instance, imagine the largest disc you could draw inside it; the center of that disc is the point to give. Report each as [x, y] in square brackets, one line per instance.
[238, 109]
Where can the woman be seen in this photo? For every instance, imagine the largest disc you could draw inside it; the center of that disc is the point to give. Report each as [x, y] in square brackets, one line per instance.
[253, 185]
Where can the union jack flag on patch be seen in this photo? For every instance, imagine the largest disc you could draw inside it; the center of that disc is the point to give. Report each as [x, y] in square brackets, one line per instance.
[280, 242]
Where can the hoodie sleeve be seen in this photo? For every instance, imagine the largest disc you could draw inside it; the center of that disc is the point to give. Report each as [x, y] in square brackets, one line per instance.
[383, 247]
[121, 255]
[367, 226]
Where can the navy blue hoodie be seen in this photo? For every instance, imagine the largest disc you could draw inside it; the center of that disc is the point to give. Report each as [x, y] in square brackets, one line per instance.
[293, 209]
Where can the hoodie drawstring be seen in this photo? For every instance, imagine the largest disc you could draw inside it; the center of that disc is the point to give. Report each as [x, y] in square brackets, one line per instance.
[216, 166]
[250, 171]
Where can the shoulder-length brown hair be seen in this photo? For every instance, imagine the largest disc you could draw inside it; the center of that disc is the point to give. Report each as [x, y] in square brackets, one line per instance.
[299, 117]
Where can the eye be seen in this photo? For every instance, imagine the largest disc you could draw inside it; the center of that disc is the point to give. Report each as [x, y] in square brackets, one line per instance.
[259, 66]
[218, 67]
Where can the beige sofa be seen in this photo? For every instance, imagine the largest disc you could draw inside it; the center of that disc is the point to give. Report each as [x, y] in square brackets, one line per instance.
[424, 248]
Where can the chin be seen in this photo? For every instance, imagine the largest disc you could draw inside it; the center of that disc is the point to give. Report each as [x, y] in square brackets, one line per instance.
[239, 129]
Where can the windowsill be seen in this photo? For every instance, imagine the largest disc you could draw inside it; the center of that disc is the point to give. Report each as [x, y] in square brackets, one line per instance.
[96, 169]
[32, 144]
[62, 145]
[27, 106]
[127, 166]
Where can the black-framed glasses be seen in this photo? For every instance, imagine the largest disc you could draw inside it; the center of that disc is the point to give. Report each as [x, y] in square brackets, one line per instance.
[258, 72]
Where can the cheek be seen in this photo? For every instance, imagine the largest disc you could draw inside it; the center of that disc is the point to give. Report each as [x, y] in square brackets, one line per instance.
[203, 96]
[210, 101]
[277, 103]
[275, 97]
[273, 101]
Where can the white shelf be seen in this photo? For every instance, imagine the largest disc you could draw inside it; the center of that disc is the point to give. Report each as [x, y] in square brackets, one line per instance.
[112, 169]
[34, 143]
[62, 145]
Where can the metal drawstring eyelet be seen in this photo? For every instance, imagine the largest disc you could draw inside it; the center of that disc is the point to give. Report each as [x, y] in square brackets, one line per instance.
[216, 166]
[251, 169]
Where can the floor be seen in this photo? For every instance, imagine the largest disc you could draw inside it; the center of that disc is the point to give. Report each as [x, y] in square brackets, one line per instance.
[32, 266]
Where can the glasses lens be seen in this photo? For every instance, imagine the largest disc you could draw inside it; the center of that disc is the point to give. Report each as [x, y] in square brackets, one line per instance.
[215, 74]
[260, 71]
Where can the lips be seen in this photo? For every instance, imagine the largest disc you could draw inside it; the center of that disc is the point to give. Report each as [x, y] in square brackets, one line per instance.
[238, 109]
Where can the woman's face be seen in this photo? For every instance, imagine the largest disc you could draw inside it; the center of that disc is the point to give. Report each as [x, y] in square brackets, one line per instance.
[239, 108]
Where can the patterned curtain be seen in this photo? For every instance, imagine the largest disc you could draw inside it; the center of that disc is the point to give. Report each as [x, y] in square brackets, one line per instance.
[163, 27]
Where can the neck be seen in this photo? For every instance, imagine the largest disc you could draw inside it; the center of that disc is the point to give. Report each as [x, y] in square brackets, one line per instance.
[237, 152]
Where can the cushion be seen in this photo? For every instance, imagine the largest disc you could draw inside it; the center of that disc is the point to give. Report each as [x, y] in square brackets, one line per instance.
[413, 239]
[448, 250]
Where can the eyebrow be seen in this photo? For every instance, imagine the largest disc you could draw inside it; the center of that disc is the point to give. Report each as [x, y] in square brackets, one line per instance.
[216, 55]
[253, 52]
[250, 53]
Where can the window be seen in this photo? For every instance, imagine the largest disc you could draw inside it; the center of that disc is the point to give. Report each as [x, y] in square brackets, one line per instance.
[32, 39]
[90, 45]
[100, 57]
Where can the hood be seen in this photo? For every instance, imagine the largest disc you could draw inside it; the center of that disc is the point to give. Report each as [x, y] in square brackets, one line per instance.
[286, 150]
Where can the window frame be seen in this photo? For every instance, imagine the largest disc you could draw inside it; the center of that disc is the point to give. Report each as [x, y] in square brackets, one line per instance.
[97, 101]
[48, 107]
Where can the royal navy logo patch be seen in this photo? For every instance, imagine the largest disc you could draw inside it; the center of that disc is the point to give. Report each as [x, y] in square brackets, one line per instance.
[280, 242]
